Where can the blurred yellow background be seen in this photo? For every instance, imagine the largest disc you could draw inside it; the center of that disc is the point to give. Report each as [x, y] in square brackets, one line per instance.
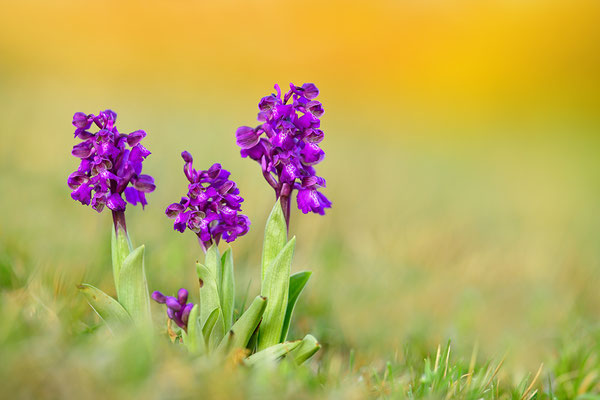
[461, 141]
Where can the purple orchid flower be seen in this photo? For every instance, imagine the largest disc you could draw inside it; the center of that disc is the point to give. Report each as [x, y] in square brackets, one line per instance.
[178, 309]
[111, 165]
[286, 145]
[211, 208]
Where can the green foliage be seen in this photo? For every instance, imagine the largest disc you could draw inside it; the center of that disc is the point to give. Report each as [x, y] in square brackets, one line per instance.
[120, 249]
[297, 283]
[107, 308]
[276, 289]
[227, 291]
[194, 338]
[248, 322]
[275, 238]
[132, 290]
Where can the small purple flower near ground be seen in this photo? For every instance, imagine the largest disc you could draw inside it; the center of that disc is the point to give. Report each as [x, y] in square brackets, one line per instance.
[178, 309]
[111, 164]
[211, 208]
[286, 145]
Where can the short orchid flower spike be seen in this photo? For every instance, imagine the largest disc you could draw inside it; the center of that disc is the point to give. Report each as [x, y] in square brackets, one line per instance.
[212, 206]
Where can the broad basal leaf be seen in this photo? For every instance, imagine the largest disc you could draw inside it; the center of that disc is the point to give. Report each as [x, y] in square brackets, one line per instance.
[111, 312]
[227, 292]
[308, 347]
[133, 288]
[276, 288]
[272, 353]
[297, 283]
[245, 326]
[120, 247]
[275, 238]
[209, 302]
[194, 339]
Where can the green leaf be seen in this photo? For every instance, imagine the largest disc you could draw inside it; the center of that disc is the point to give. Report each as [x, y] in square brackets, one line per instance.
[275, 238]
[212, 261]
[209, 325]
[272, 353]
[245, 326]
[227, 343]
[276, 288]
[308, 347]
[194, 340]
[209, 301]
[133, 288]
[227, 292]
[120, 247]
[297, 283]
[111, 312]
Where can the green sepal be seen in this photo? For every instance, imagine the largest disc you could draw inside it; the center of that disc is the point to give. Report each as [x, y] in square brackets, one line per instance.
[107, 308]
[297, 283]
[194, 339]
[133, 287]
[308, 347]
[227, 292]
[276, 288]
[275, 238]
[245, 326]
[272, 353]
[209, 302]
[120, 247]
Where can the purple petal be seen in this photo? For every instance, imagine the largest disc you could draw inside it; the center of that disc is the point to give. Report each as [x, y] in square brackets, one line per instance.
[116, 203]
[82, 194]
[144, 183]
[310, 90]
[174, 210]
[181, 221]
[173, 303]
[135, 137]
[246, 137]
[83, 149]
[182, 296]
[312, 154]
[159, 297]
[81, 120]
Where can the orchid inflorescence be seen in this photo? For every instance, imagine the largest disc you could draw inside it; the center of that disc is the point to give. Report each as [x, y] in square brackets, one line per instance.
[211, 207]
[286, 146]
[108, 167]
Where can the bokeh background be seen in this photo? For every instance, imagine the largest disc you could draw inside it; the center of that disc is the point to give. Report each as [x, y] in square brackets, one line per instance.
[462, 160]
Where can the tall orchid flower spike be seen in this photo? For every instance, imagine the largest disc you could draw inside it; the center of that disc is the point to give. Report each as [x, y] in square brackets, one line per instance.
[111, 166]
[286, 145]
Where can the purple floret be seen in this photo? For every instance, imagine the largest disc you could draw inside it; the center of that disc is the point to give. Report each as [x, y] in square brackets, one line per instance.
[212, 206]
[286, 145]
[178, 309]
[111, 164]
